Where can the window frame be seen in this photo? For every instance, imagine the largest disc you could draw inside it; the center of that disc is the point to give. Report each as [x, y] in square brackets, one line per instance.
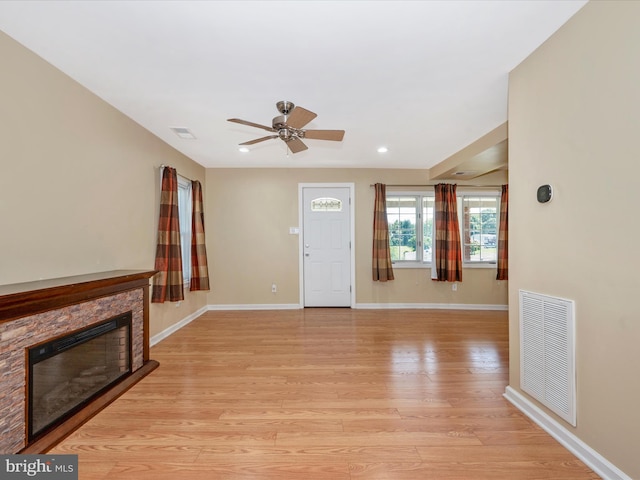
[419, 226]
[477, 194]
[185, 206]
[460, 195]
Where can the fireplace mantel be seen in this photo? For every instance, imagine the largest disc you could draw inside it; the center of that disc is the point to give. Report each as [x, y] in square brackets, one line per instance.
[30, 311]
[20, 299]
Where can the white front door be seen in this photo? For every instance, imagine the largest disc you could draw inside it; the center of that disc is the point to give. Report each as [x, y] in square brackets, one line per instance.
[326, 246]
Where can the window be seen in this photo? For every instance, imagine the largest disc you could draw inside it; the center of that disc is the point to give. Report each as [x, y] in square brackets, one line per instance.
[411, 216]
[326, 204]
[184, 215]
[410, 219]
[479, 227]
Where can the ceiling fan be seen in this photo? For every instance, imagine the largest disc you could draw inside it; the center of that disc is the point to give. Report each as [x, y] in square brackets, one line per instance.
[289, 128]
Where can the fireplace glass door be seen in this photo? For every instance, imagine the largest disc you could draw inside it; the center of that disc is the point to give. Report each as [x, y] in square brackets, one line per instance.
[68, 372]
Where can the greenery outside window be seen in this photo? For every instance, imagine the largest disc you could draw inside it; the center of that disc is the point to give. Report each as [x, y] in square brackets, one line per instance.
[410, 219]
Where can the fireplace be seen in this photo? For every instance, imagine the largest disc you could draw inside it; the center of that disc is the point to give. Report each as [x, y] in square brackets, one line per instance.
[66, 373]
[40, 322]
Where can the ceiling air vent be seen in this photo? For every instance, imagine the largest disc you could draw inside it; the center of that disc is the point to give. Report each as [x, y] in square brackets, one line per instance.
[183, 132]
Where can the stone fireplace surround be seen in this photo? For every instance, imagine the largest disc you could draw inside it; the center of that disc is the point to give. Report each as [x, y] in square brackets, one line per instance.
[34, 312]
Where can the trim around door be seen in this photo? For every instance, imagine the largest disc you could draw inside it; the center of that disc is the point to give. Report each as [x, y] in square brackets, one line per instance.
[351, 187]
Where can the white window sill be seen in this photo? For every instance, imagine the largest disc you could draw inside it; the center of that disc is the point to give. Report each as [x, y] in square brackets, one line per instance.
[403, 265]
[480, 265]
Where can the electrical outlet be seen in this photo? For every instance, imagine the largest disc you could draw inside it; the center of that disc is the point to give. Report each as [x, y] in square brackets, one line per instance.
[454, 287]
[274, 288]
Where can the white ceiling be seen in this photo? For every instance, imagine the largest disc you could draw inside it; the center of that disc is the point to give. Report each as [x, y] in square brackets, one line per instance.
[424, 78]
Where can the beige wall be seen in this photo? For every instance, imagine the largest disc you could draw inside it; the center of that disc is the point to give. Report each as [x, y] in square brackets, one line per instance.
[249, 212]
[79, 181]
[573, 123]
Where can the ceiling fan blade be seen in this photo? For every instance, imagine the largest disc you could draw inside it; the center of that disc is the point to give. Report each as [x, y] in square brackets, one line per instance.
[296, 145]
[251, 124]
[335, 135]
[300, 117]
[262, 139]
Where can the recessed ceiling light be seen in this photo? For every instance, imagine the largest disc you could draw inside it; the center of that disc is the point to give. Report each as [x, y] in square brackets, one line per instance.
[383, 149]
[243, 149]
[183, 132]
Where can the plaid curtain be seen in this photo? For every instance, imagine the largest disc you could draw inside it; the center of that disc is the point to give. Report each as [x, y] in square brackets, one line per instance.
[503, 236]
[448, 252]
[382, 269]
[167, 283]
[199, 269]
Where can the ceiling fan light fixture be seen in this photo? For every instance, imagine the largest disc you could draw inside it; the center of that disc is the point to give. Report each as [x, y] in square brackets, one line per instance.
[243, 149]
[383, 149]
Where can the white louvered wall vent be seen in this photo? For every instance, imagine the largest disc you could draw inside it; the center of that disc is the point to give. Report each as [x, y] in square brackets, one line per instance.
[547, 352]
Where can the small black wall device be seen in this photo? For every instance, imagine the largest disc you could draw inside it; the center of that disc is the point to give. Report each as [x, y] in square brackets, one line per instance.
[544, 193]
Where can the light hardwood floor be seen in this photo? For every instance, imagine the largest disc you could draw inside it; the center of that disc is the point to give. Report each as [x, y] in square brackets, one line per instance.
[324, 394]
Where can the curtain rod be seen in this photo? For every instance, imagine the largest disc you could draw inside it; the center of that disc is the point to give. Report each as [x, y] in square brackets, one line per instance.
[434, 184]
[169, 166]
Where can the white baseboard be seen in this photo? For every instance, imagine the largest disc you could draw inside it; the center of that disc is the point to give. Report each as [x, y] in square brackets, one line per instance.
[584, 452]
[372, 306]
[175, 327]
[435, 306]
[256, 306]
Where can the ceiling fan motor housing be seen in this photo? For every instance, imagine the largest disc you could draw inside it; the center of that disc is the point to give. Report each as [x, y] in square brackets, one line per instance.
[279, 122]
